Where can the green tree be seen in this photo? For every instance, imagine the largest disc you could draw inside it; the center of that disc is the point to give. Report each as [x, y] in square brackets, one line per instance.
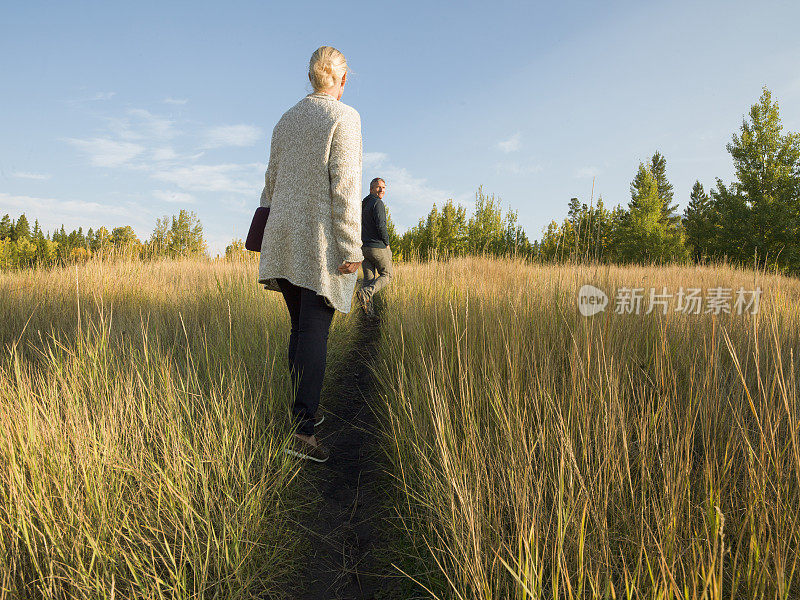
[6, 254]
[22, 229]
[46, 250]
[452, 228]
[24, 252]
[599, 242]
[394, 239]
[101, 244]
[186, 235]
[6, 227]
[448, 232]
[485, 228]
[431, 233]
[159, 242]
[235, 250]
[124, 236]
[644, 234]
[767, 165]
[698, 223]
[658, 167]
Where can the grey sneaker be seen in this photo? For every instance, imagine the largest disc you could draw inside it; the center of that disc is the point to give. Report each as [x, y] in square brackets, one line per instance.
[301, 449]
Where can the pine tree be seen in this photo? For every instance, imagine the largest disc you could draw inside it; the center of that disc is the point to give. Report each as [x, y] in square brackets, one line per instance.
[574, 210]
[658, 167]
[43, 248]
[22, 229]
[431, 238]
[515, 241]
[6, 227]
[698, 223]
[644, 234]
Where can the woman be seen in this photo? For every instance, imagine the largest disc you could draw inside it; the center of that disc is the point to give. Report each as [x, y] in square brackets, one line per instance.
[312, 241]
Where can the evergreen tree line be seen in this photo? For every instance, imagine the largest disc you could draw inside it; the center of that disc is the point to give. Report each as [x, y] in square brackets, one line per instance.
[755, 220]
[21, 246]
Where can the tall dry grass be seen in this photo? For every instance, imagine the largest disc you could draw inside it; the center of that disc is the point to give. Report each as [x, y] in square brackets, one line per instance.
[540, 453]
[142, 411]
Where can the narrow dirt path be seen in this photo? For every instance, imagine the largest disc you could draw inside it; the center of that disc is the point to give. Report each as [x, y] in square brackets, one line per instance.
[344, 527]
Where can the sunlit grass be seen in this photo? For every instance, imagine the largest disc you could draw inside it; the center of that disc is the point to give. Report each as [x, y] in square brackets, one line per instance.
[536, 452]
[539, 453]
[142, 411]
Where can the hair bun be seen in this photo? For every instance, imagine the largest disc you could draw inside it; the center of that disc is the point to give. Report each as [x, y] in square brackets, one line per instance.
[326, 67]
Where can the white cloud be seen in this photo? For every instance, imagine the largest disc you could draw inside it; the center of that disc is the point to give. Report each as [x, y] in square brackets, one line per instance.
[409, 189]
[140, 124]
[153, 125]
[585, 172]
[232, 135]
[173, 197]
[161, 154]
[97, 96]
[176, 101]
[512, 144]
[103, 96]
[373, 159]
[240, 204]
[52, 212]
[27, 175]
[104, 152]
[233, 178]
[518, 168]
[406, 194]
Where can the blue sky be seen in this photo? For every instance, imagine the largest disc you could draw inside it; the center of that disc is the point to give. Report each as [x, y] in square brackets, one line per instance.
[117, 113]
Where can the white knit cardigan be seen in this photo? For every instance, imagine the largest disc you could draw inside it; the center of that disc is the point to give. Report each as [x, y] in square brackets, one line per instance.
[313, 190]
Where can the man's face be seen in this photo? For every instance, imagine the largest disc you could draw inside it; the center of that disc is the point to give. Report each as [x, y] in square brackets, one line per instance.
[379, 189]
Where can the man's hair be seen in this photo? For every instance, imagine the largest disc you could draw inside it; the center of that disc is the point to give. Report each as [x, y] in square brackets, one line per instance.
[375, 181]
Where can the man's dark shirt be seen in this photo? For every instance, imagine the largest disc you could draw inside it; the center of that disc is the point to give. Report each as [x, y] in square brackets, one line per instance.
[373, 222]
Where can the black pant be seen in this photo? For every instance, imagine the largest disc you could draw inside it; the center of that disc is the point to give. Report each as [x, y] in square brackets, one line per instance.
[308, 348]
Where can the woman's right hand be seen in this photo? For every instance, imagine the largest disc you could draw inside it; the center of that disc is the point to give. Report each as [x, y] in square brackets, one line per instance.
[348, 267]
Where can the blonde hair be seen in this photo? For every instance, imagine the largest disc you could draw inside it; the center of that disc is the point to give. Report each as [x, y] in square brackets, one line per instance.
[326, 67]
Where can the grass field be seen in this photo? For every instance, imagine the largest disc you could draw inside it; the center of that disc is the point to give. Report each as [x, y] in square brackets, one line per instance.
[142, 407]
[540, 453]
[534, 452]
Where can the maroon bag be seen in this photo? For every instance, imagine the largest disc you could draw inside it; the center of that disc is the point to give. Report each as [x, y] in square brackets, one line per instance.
[256, 234]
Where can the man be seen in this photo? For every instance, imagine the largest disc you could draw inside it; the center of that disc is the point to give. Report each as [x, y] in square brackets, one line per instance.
[377, 265]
